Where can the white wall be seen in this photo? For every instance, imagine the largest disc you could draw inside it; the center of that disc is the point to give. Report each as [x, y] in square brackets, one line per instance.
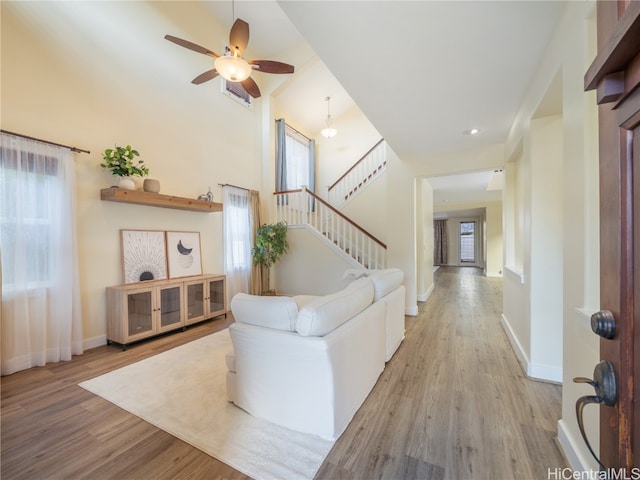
[356, 135]
[493, 230]
[401, 225]
[78, 73]
[424, 238]
[368, 208]
[310, 267]
[570, 51]
[546, 254]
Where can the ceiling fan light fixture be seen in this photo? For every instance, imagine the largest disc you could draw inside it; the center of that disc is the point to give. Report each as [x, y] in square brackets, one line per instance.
[328, 131]
[232, 68]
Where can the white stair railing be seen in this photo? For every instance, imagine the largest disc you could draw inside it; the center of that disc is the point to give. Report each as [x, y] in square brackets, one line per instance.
[363, 171]
[302, 207]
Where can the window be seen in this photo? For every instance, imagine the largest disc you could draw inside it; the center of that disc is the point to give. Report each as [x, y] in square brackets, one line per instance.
[236, 91]
[295, 159]
[237, 239]
[467, 242]
[24, 178]
[41, 320]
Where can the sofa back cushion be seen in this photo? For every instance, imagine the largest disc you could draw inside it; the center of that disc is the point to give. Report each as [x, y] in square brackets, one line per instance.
[265, 311]
[326, 313]
[385, 281]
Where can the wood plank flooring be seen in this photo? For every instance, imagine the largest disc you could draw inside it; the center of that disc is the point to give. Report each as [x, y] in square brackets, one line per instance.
[452, 403]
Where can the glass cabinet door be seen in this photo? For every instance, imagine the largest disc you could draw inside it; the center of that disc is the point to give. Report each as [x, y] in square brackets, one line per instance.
[139, 313]
[195, 301]
[216, 296]
[170, 306]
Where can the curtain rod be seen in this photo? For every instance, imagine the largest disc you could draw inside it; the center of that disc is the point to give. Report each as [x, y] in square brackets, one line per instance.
[73, 149]
[294, 129]
[236, 186]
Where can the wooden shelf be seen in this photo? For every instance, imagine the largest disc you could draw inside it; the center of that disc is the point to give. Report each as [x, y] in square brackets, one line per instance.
[138, 197]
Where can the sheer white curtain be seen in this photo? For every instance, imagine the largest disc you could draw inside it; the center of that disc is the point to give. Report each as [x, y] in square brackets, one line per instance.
[41, 319]
[295, 159]
[237, 239]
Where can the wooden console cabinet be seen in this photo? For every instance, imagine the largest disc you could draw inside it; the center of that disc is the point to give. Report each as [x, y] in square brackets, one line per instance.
[140, 310]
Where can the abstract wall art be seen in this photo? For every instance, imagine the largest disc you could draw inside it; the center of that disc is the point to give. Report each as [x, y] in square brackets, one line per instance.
[183, 254]
[144, 255]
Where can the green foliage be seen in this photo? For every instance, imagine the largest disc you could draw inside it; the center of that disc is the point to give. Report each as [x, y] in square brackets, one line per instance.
[271, 244]
[120, 162]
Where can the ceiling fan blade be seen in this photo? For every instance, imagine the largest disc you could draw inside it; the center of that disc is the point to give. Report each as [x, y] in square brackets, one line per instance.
[205, 77]
[191, 46]
[270, 66]
[251, 87]
[239, 36]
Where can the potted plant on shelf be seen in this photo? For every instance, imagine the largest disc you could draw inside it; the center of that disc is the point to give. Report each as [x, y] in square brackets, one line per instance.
[271, 244]
[119, 161]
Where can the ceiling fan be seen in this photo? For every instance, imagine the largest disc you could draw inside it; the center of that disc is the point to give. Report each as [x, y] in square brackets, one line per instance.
[231, 65]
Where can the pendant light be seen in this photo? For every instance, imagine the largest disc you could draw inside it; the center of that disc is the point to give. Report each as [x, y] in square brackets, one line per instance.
[328, 132]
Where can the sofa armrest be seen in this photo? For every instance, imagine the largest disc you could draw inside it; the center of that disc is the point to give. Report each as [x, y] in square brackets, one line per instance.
[309, 384]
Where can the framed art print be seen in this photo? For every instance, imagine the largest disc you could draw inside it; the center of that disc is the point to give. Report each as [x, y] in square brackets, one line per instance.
[144, 255]
[183, 254]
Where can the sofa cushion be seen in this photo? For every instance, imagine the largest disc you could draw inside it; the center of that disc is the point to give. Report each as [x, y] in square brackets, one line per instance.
[302, 300]
[265, 311]
[326, 313]
[349, 276]
[385, 281]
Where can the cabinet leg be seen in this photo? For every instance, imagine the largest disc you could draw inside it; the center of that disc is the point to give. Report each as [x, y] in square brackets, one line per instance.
[184, 329]
[124, 347]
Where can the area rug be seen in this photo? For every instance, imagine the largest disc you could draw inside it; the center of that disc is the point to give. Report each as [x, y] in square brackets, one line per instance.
[183, 391]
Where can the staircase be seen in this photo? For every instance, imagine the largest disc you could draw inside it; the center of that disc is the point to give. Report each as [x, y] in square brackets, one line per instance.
[365, 170]
[304, 208]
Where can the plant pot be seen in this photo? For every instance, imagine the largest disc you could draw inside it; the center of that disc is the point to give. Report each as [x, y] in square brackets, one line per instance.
[151, 185]
[127, 183]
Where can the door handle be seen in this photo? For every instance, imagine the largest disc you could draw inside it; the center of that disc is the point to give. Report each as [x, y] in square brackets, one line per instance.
[604, 383]
[603, 324]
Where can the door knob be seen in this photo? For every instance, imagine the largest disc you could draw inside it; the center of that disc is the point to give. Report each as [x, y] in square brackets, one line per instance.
[604, 383]
[603, 324]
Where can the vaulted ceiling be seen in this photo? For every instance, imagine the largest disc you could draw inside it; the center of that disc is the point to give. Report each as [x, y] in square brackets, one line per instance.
[423, 72]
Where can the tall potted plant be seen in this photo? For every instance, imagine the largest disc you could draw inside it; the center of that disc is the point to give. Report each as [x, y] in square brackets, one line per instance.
[271, 244]
[119, 161]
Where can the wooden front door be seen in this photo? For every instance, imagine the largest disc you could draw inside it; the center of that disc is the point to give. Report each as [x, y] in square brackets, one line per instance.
[615, 73]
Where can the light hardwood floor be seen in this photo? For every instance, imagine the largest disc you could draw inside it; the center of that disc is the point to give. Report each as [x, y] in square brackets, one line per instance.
[452, 403]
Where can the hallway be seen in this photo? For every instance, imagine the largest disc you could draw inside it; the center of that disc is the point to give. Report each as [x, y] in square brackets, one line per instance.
[453, 403]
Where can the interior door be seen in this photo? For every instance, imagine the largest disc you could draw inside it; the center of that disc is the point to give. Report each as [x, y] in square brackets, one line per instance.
[615, 73]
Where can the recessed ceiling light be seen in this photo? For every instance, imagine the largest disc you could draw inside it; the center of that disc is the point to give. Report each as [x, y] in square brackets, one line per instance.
[471, 131]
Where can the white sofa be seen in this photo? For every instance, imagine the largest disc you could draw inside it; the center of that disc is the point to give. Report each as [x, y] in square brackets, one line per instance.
[309, 362]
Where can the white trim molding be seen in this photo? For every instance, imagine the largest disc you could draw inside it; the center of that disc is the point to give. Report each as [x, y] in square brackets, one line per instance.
[423, 297]
[572, 451]
[547, 373]
[515, 273]
[89, 343]
[411, 311]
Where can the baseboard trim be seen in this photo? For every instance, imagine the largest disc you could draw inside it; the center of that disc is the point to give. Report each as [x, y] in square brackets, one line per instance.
[411, 311]
[572, 453]
[523, 360]
[423, 297]
[546, 373]
[89, 343]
